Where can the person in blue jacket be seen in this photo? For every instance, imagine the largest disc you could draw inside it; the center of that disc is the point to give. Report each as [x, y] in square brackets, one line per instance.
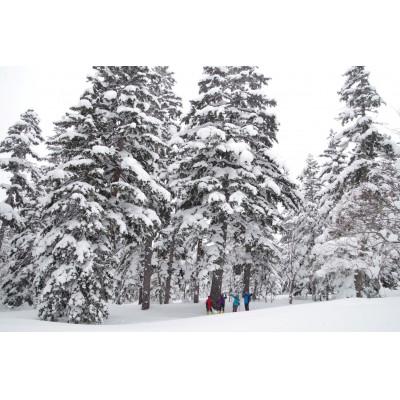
[236, 302]
[247, 299]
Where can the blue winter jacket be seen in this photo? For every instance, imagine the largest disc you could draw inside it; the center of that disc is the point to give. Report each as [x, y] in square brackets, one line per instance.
[247, 297]
[236, 300]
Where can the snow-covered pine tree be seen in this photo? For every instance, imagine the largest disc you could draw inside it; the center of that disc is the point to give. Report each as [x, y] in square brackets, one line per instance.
[18, 282]
[344, 248]
[183, 248]
[74, 278]
[228, 176]
[201, 178]
[293, 251]
[267, 186]
[169, 112]
[334, 161]
[299, 232]
[19, 159]
[135, 147]
[310, 180]
[310, 223]
[268, 279]
[20, 210]
[372, 216]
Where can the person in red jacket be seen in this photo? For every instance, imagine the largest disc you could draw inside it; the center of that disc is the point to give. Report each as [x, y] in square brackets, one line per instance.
[209, 305]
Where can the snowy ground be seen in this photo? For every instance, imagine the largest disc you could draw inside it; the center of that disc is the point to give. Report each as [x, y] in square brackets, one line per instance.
[381, 314]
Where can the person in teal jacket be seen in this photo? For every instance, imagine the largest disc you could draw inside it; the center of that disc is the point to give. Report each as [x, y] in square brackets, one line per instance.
[236, 302]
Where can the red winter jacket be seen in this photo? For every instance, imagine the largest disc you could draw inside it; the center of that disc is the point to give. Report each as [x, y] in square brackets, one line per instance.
[209, 303]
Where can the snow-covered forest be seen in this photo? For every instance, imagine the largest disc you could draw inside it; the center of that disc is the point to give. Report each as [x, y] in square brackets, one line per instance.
[136, 201]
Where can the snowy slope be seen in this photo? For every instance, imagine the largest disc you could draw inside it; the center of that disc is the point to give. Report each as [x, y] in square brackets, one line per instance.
[338, 315]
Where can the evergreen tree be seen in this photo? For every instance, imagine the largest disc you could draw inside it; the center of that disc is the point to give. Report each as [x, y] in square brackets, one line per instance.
[228, 180]
[135, 158]
[18, 287]
[258, 127]
[344, 249]
[73, 256]
[169, 112]
[310, 181]
[301, 228]
[201, 176]
[310, 222]
[19, 146]
[294, 251]
[360, 134]
[268, 279]
[334, 161]
[21, 209]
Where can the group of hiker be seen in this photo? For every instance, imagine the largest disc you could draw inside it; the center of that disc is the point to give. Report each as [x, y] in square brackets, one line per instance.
[220, 304]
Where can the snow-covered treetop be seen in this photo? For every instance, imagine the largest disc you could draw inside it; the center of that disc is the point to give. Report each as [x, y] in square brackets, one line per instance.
[227, 172]
[19, 152]
[358, 94]
[310, 180]
[333, 159]
[361, 136]
[358, 118]
[22, 136]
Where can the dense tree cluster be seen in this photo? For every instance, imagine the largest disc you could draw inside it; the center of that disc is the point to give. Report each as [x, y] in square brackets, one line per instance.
[355, 243]
[136, 201]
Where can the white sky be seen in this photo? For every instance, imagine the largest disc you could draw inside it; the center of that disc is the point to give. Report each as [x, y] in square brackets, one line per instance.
[306, 95]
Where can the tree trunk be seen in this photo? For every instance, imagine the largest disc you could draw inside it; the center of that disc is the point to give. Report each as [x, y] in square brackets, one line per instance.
[160, 292]
[216, 285]
[2, 233]
[291, 288]
[140, 301]
[196, 283]
[359, 282]
[147, 273]
[247, 271]
[313, 290]
[167, 295]
[246, 277]
[255, 294]
[196, 291]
